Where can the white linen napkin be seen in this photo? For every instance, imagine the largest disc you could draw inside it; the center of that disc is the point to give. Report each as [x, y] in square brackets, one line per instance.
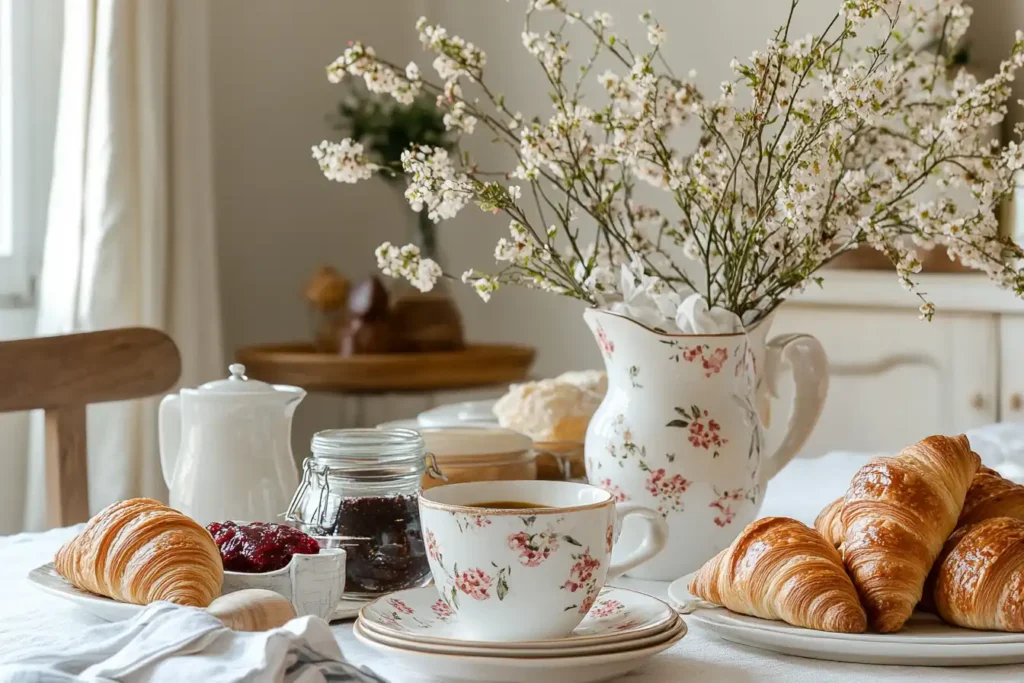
[166, 643]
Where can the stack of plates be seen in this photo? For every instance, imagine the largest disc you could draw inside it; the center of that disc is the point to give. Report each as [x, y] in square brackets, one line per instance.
[621, 632]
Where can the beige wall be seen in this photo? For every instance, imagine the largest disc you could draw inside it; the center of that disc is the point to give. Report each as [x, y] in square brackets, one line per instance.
[279, 218]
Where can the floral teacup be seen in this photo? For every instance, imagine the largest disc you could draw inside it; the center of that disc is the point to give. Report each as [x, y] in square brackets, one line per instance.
[511, 574]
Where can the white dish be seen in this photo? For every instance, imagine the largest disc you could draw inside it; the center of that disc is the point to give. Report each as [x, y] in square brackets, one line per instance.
[463, 414]
[47, 579]
[924, 641]
[348, 608]
[619, 614]
[313, 583]
[489, 650]
[481, 669]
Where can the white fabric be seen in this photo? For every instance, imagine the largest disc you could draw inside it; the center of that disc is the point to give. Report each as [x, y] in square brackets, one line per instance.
[130, 238]
[169, 644]
[31, 619]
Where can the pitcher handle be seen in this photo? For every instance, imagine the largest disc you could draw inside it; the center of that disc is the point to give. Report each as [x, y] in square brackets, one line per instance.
[809, 364]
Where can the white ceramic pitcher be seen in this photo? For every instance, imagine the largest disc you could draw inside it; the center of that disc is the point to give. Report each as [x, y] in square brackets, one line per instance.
[225, 449]
[681, 429]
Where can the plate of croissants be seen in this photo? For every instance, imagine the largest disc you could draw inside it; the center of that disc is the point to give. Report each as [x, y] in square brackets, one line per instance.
[920, 563]
[138, 551]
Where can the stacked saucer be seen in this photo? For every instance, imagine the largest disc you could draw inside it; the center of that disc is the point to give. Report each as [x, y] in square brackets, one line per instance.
[620, 633]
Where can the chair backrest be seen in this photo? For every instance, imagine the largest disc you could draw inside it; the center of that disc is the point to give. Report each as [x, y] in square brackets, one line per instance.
[64, 374]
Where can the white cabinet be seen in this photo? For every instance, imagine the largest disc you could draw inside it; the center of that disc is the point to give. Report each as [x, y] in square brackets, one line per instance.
[895, 379]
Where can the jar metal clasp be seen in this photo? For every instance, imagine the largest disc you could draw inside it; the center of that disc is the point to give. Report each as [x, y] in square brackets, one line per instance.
[433, 470]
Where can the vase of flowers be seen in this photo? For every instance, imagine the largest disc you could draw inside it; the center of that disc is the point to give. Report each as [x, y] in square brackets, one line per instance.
[681, 429]
[815, 146]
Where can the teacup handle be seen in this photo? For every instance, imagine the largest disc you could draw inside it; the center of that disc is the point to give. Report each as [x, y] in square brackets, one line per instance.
[809, 365]
[653, 543]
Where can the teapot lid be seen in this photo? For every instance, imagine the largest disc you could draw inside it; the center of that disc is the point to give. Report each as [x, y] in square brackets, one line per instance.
[237, 383]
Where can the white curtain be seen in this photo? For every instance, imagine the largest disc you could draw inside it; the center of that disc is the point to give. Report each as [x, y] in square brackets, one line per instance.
[130, 238]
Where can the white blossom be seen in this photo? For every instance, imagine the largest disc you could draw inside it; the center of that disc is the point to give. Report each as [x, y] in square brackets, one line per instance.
[434, 182]
[343, 161]
[406, 262]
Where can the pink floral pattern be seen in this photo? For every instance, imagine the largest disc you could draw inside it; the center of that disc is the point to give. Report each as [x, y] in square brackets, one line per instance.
[606, 344]
[442, 610]
[400, 606]
[628, 448]
[626, 625]
[475, 583]
[581, 578]
[533, 549]
[711, 360]
[724, 505]
[667, 490]
[606, 608]
[704, 431]
[618, 495]
[468, 522]
[433, 547]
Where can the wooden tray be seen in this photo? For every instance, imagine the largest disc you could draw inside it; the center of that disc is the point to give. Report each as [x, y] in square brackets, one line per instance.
[478, 365]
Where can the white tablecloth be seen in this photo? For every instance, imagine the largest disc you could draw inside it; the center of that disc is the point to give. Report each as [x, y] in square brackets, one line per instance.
[800, 491]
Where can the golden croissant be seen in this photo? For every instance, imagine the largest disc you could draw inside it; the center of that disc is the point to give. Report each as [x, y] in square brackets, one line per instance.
[979, 577]
[141, 551]
[992, 496]
[896, 516]
[829, 522]
[779, 568]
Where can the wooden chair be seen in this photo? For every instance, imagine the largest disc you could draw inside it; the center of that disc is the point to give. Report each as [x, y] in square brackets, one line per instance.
[62, 375]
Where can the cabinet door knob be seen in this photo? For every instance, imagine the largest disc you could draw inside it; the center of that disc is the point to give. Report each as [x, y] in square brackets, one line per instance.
[978, 402]
[1016, 402]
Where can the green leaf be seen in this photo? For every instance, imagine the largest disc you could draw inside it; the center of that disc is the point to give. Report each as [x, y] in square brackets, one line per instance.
[569, 608]
[682, 411]
[696, 412]
[455, 597]
[528, 521]
[678, 423]
[572, 541]
[502, 585]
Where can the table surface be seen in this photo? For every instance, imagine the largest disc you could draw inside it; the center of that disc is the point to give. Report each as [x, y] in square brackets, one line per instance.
[800, 491]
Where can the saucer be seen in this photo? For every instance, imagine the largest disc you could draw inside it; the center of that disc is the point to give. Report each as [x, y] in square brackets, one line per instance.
[489, 669]
[674, 629]
[417, 614]
[348, 608]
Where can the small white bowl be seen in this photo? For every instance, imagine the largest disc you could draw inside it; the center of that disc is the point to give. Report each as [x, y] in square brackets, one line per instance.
[314, 583]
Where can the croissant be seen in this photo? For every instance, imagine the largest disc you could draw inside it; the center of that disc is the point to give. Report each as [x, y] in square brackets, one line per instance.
[896, 516]
[779, 568]
[829, 522]
[980, 576]
[990, 495]
[141, 551]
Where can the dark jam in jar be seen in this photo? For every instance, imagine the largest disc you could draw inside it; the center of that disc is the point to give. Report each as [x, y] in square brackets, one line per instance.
[383, 543]
[360, 492]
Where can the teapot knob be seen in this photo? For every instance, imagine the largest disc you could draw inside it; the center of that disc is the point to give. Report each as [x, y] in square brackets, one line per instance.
[237, 371]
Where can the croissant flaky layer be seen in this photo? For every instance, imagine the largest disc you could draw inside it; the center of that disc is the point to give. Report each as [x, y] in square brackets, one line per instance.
[979, 581]
[990, 495]
[141, 551]
[778, 568]
[829, 522]
[896, 516]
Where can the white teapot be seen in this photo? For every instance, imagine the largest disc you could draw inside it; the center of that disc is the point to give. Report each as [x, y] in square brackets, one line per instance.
[225, 449]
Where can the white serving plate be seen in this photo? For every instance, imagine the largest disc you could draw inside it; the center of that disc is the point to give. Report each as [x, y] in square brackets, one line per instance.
[46, 579]
[924, 641]
[484, 669]
[619, 614]
[489, 650]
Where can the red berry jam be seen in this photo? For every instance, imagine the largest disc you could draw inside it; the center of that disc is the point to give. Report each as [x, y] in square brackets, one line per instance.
[259, 547]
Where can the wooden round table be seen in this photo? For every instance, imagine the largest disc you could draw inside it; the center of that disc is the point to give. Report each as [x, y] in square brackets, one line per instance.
[475, 367]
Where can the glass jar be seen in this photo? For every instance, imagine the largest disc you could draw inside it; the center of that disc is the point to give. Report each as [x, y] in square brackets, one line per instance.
[360, 491]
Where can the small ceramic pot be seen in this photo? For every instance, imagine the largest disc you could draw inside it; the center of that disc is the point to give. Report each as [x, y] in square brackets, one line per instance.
[313, 583]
